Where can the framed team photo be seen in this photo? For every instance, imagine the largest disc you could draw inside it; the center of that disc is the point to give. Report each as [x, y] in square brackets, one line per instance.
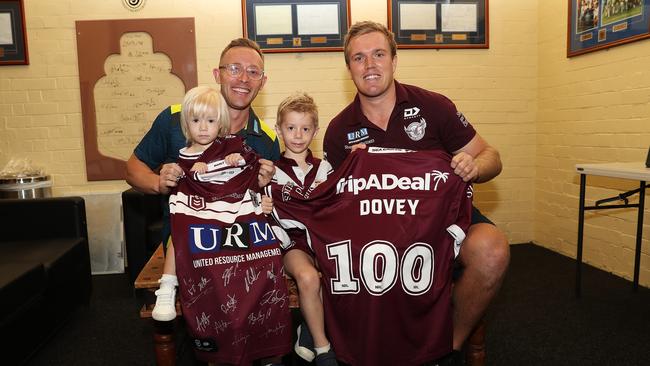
[600, 24]
[13, 40]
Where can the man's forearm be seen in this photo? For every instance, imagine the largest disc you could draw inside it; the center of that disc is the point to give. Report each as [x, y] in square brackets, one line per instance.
[489, 164]
[141, 177]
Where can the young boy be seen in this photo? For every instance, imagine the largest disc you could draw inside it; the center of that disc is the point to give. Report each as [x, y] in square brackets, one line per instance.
[297, 124]
[225, 300]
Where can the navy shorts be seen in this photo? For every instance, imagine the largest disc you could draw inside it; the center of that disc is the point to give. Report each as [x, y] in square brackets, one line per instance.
[478, 217]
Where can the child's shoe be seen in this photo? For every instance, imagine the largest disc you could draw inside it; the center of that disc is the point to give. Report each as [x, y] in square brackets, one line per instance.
[305, 344]
[165, 308]
[326, 359]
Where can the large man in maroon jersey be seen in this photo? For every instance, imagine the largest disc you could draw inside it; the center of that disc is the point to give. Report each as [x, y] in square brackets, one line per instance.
[389, 114]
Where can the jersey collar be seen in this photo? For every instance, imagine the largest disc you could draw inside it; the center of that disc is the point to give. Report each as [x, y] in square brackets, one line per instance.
[290, 162]
[401, 97]
[253, 126]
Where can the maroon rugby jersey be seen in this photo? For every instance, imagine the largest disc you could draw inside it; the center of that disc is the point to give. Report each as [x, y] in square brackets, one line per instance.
[421, 120]
[380, 229]
[228, 261]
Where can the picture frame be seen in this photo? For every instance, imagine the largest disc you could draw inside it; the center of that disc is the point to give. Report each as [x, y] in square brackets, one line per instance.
[439, 23]
[600, 24]
[13, 39]
[296, 25]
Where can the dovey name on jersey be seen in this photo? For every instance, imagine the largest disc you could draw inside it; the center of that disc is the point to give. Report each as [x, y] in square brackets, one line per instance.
[390, 182]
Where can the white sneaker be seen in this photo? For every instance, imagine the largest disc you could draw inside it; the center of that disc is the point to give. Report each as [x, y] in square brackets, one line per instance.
[165, 308]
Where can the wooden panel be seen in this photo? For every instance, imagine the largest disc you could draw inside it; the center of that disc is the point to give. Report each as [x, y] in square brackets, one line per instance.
[99, 39]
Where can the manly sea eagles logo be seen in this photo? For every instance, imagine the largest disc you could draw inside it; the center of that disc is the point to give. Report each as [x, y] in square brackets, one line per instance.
[415, 130]
[197, 202]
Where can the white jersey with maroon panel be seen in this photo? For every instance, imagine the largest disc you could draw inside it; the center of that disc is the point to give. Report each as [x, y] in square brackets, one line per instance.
[288, 173]
[228, 261]
[287, 170]
[384, 228]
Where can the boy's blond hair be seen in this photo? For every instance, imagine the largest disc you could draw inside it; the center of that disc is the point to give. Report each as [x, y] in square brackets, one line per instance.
[298, 102]
[365, 27]
[201, 101]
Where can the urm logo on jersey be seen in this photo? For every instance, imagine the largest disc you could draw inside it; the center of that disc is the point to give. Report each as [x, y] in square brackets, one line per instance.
[204, 238]
[357, 136]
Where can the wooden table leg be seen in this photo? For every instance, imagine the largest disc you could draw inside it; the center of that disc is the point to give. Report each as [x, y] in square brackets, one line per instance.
[164, 344]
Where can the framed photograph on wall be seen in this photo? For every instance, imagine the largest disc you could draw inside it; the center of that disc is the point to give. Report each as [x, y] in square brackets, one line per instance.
[296, 25]
[13, 41]
[598, 24]
[439, 23]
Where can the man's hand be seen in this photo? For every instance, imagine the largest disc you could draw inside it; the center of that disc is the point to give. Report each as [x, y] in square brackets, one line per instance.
[267, 170]
[356, 147]
[169, 175]
[476, 162]
[465, 166]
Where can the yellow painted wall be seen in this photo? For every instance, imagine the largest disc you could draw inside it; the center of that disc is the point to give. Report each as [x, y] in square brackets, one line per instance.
[592, 108]
[544, 112]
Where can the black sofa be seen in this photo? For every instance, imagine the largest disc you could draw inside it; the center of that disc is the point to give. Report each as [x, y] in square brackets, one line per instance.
[44, 270]
[142, 228]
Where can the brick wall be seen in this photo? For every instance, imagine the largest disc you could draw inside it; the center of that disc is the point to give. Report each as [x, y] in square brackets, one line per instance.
[591, 108]
[543, 112]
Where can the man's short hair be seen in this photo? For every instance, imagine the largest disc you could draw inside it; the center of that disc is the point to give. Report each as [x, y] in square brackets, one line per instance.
[242, 42]
[298, 102]
[365, 27]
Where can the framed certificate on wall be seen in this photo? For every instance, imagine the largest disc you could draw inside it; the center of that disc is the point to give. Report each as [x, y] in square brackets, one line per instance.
[296, 25]
[13, 40]
[439, 23]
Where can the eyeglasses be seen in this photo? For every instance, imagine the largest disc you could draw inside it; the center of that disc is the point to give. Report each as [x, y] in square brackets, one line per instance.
[253, 73]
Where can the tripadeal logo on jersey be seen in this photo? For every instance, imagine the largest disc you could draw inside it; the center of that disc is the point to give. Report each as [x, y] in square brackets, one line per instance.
[388, 182]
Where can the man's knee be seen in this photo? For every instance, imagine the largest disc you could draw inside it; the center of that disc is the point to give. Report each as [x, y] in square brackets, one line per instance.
[486, 249]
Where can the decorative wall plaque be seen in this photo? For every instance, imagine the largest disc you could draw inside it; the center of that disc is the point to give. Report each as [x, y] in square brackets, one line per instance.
[129, 71]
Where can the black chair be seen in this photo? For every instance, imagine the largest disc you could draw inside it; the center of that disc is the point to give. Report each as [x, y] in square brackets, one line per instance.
[142, 228]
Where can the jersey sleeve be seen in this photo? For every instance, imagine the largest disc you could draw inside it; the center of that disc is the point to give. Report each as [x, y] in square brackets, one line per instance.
[152, 149]
[456, 132]
[333, 151]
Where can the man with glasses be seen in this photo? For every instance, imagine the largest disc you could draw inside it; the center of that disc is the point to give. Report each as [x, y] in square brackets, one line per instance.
[241, 76]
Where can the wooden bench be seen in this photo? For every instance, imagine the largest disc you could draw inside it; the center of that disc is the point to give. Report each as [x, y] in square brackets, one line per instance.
[165, 348]
[163, 337]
